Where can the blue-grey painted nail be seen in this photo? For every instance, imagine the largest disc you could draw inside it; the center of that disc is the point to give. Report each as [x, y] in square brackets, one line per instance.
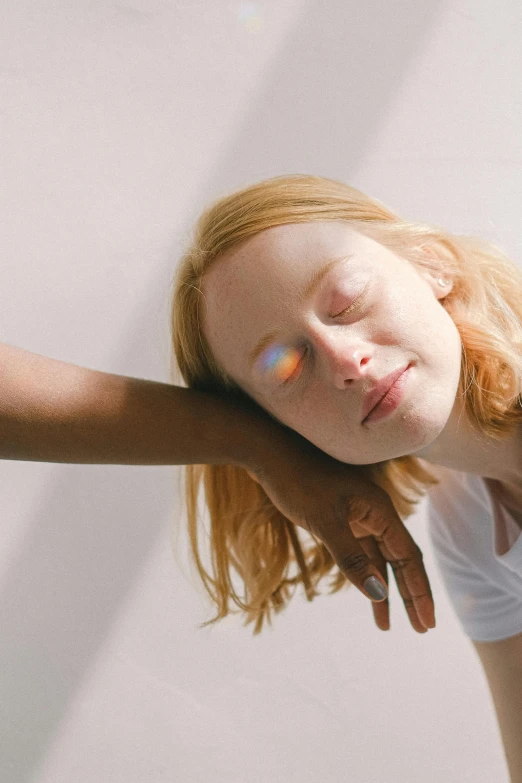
[375, 588]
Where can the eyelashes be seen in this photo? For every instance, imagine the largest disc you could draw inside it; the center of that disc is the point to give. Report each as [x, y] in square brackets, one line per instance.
[290, 379]
[283, 362]
[353, 305]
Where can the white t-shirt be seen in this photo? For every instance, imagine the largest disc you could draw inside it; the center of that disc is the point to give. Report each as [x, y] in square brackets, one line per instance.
[478, 551]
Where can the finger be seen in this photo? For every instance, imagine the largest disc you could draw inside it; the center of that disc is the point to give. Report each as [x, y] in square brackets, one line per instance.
[350, 556]
[381, 609]
[400, 550]
[406, 560]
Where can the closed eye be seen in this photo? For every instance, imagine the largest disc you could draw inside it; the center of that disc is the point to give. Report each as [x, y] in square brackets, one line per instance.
[353, 306]
[298, 370]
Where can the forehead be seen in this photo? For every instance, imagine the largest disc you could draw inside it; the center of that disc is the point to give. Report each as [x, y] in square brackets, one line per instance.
[286, 253]
[297, 243]
[251, 288]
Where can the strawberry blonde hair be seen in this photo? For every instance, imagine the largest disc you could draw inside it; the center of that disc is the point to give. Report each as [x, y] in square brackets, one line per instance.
[248, 533]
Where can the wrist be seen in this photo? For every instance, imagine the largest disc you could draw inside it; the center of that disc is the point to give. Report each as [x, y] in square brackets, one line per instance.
[257, 439]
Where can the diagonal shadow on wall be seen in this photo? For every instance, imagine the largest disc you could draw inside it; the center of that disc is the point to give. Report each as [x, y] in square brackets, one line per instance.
[322, 100]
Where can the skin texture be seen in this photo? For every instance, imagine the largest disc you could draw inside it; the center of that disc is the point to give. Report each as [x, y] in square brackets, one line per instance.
[398, 320]
[370, 315]
[332, 358]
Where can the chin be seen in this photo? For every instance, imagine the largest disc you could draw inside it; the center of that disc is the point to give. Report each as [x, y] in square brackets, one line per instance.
[425, 436]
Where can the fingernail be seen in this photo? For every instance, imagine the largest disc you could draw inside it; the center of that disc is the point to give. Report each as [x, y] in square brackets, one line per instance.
[375, 588]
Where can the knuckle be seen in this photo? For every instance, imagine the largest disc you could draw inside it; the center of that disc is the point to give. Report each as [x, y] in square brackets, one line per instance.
[357, 507]
[415, 557]
[400, 563]
[354, 562]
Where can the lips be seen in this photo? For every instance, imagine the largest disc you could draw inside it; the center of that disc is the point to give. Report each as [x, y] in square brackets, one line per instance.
[379, 390]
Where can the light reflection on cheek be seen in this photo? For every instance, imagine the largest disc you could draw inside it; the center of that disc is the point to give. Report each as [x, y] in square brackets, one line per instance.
[280, 362]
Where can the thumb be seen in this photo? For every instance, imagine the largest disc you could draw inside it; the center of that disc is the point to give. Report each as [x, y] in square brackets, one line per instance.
[350, 557]
[353, 561]
[375, 588]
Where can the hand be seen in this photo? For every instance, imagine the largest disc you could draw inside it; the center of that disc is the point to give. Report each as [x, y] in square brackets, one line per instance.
[354, 518]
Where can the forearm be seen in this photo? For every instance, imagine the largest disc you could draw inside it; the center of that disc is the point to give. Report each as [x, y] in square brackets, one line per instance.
[53, 411]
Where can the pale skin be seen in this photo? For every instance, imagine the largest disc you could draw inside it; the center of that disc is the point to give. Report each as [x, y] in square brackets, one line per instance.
[57, 412]
[397, 318]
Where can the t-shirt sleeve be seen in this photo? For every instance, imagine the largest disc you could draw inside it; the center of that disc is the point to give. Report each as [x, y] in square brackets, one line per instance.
[486, 609]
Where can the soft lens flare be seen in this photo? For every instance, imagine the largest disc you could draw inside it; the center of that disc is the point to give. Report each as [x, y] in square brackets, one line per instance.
[251, 17]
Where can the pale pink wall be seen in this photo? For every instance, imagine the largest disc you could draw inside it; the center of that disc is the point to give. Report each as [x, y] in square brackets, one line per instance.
[118, 122]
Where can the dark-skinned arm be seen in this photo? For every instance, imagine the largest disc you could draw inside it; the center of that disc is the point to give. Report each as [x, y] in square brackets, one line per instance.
[54, 411]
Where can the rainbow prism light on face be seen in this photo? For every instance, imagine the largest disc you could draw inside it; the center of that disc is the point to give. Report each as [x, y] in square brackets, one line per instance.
[258, 246]
[280, 360]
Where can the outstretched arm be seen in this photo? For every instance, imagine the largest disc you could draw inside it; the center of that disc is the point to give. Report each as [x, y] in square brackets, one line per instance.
[53, 411]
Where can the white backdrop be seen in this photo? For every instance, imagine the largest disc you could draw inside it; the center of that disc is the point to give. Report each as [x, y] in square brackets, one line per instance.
[118, 123]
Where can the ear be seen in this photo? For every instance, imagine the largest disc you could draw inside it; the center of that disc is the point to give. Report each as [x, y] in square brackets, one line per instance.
[440, 283]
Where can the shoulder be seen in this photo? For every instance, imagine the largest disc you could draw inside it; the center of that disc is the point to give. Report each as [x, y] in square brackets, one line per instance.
[456, 494]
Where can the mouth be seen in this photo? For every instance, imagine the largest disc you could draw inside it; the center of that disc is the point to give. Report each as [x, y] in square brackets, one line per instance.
[393, 392]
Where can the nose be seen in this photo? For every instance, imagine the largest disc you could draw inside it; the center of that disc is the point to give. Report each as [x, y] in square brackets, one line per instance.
[345, 357]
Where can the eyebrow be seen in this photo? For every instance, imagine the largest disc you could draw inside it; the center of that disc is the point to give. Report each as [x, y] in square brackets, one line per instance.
[309, 289]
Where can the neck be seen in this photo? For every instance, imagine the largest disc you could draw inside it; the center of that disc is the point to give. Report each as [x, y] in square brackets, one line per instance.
[460, 447]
